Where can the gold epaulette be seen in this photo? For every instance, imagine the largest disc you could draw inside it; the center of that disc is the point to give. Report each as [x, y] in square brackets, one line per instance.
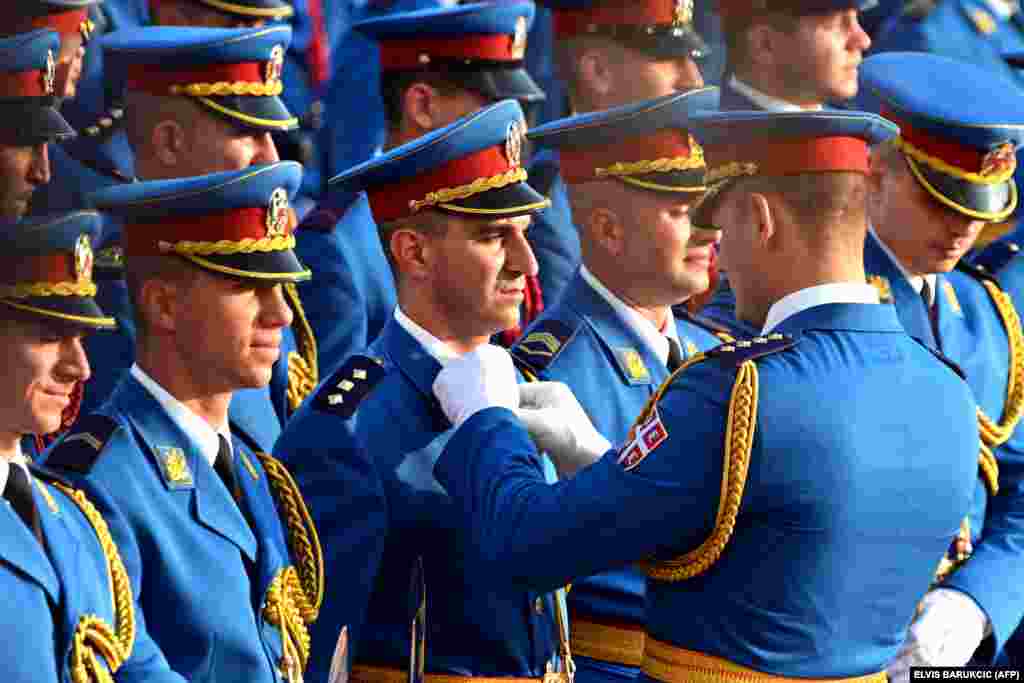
[303, 367]
[93, 637]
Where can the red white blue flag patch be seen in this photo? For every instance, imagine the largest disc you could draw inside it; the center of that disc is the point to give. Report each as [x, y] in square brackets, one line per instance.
[647, 436]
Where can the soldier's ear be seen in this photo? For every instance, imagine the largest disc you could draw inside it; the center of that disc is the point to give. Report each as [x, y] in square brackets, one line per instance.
[594, 73]
[409, 252]
[159, 301]
[763, 218]
[606, 229]
[420, 107]
[168, 142]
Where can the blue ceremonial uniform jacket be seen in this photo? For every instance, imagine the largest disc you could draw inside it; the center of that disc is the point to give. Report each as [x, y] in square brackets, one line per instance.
[971, 332]
[553, 236]
[203, 568]
[593, 359]
[49, 592]
[817, 579]
[352, 293]
[475, 625]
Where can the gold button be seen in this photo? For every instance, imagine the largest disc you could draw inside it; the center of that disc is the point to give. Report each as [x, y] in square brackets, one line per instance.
[538, 606]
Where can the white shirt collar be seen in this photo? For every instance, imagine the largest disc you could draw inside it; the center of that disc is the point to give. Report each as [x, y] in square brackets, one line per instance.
[434, 346]
[809, 297]
[764, 100]
[655, 339]
[1002, 9]
[916, 281]
[18, 460]
[198, 430]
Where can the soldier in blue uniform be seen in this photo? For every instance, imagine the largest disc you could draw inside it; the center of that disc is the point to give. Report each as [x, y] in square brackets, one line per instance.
[211, 528]
[438, 65]
[761, 506]
[177, 129]
[29, 119]
[69, 601]
[609, 53]
[453, 207]
[612, 337]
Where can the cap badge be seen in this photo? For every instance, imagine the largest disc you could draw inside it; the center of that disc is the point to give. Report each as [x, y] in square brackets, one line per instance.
[514, 143]
[518, 49]
[50, 74]
[276, 64]
[83, 260]
[277, 213]
[683, 15]
[999, 161]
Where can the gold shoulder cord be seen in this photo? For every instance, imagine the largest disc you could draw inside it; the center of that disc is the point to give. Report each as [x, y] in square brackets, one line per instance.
[303, 367]
[295, 595]
[93, 637]
[739, 441]
[994, 435]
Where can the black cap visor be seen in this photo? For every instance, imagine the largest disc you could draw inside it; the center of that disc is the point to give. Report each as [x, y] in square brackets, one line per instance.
[271, 266]
[672, 182]
[73, 311]
[987, 202]
[664, 42]
[517, 199]
[501, 83]
[259, 113]
[30, 122]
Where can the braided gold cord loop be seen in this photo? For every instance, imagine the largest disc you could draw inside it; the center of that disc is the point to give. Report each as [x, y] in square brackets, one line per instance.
[224, 88]
[229, 247]
[93, 637]
[739, 442]
[940, 165]
[281, 610]
[445, 195]
[303, 380]
[988, 469]
[303, 541]
[29, 290]
[665, 165]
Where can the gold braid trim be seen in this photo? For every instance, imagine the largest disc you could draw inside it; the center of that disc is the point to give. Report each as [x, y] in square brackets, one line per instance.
[739, 441]
[303, 367]
[307, 586]
[448, 194]
[988, 468]
[993, 434]
[734, 169]
[281, 610]
[223, 89]
[944, 167]
[28, 290]
[93, 636]
[229, 247]
[665, 165]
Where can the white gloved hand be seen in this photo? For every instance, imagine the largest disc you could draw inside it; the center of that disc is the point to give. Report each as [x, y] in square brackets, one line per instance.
[483, 378]
[948, 628]
[559, 426]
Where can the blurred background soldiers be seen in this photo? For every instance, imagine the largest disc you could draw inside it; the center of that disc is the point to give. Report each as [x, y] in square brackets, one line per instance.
[194, 503]
[452, 207]
[69, 597]
[632, 174]
[717, 468]
[437, 65]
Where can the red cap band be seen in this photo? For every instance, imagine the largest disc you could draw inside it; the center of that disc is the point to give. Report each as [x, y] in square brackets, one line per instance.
[149, 78]
[408, 54]
[580, 165]
[639, 13]
[64, 23]
[51, 267]
[966, 158]
[391, 202]
[24, 84]
[234, 225]
[792, 157]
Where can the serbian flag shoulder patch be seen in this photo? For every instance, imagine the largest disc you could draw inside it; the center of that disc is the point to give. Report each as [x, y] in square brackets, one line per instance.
[646, 437]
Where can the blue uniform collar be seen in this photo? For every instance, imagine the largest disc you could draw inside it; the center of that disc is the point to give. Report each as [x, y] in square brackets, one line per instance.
[886, 274]
[846, 317]
[408, 355]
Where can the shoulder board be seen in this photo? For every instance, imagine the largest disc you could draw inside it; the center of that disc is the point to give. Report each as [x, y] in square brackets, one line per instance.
[541, 344]
[996, 256]
[918, 9]
[344, 391]
[978, 272]
[79, 450]
[953, 365]
[717, 329]
[739, 352]
[46, 474]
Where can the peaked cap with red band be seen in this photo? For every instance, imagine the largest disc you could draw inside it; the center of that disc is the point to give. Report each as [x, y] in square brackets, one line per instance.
[480, 45]
[960, 128]
[28, 113]
[249, 9]
[473, 167]
[663, 28]
[236, 223]
[645, 145]
[234, 73]
[46, 265]
[739, 12]
[748, 143]
[66, 17]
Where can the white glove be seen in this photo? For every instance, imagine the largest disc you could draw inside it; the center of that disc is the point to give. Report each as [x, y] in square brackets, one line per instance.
[948, 628]
[559, 426]
[483, 378]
